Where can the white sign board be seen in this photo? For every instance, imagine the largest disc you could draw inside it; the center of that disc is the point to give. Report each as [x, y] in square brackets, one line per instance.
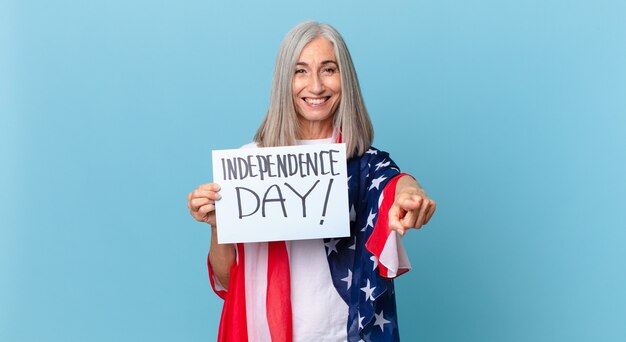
[281, 193]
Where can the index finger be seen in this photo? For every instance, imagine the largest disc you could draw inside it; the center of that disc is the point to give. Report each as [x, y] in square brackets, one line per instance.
[210, 186]
[411, 202]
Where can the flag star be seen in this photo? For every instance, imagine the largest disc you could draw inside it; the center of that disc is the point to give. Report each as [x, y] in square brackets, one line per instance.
[376, 182]
[370, 151]
[370, 220]
[375, 261]
[352, 213]
[360, 320]
[353, 246]
[332, 246]
[382, 164]
[369, 291]
[348, 279]
[380, 320]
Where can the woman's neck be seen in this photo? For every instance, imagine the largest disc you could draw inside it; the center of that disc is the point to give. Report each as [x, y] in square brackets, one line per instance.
[315, 130]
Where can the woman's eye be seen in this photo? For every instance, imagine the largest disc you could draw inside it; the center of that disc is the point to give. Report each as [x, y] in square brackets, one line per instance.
[328, 71]
[300, 71]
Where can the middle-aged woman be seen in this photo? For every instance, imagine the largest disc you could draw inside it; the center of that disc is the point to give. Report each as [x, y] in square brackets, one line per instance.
[321, 289]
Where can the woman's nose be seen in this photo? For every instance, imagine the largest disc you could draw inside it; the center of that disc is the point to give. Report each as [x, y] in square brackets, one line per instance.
[316, 84]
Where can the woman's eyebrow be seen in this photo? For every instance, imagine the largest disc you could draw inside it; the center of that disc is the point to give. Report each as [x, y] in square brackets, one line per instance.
[323, 62]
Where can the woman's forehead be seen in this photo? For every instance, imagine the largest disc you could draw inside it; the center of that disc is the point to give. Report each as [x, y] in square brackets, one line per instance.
[319, 48]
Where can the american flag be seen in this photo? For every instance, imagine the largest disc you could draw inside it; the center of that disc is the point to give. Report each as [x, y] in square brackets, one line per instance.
[362, 266]
[365, 264]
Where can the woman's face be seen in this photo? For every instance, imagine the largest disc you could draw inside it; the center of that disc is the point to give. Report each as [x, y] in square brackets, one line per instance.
[317, 83]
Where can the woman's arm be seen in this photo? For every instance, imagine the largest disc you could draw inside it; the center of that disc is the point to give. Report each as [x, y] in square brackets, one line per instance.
[201, 203]
[412, 208]
[221, 258]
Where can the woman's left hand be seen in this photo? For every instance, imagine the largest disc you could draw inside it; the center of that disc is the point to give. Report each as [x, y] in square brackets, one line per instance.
[412, 208]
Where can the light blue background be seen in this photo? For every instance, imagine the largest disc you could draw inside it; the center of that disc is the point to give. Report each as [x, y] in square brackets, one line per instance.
[512, 114]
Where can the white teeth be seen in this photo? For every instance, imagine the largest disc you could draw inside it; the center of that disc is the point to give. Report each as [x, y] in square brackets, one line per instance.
[315, 101]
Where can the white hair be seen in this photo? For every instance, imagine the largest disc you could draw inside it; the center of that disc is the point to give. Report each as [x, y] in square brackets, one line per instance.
[281, 126]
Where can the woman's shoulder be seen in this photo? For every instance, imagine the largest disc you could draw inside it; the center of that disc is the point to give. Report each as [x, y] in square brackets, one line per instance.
[373, 153]
[377, 160]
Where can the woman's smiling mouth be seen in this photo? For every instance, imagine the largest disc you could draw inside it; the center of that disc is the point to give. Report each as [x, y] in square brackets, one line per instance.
[315, 101]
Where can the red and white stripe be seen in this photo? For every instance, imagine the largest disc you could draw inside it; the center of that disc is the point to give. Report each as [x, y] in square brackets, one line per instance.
[384, 243]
